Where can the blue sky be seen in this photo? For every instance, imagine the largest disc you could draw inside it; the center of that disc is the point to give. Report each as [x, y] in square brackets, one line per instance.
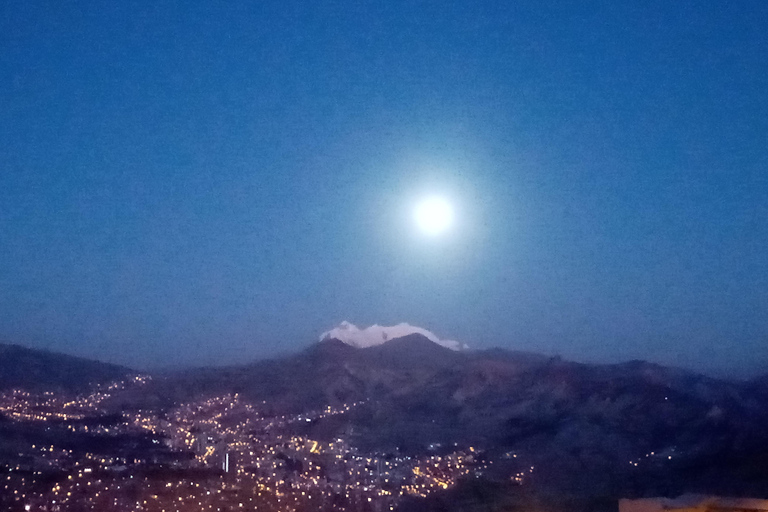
[195, 183]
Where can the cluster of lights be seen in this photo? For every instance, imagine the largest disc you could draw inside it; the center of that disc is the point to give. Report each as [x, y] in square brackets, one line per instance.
[241, 457]
[19, 405]
[663, 456]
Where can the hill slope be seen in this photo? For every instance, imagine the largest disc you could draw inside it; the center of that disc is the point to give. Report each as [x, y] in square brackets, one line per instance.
[40, 370]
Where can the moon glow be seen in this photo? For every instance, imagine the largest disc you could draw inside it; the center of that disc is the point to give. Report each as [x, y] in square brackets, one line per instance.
[433, 215]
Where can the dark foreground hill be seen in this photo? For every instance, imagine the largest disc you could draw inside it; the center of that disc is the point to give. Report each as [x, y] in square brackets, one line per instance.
[40, 370]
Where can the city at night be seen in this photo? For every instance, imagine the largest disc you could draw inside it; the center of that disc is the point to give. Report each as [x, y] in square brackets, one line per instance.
[384, 256]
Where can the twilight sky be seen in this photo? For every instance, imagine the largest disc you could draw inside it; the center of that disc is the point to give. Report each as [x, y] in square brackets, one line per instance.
[196, 182]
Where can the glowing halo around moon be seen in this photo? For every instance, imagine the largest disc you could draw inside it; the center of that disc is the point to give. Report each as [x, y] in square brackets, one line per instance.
[433, 215]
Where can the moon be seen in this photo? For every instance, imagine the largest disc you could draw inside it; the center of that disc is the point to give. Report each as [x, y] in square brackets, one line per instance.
[433, 215]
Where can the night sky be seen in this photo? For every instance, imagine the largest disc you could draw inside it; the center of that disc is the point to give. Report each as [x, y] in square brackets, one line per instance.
[197, 182]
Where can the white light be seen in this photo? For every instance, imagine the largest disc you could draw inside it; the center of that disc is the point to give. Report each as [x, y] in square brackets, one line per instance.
[434, 215]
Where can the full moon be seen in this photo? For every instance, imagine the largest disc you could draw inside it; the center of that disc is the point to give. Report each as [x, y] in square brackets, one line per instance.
[433, 215]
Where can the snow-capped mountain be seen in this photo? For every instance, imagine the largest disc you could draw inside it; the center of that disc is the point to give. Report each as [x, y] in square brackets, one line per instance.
[377, 334]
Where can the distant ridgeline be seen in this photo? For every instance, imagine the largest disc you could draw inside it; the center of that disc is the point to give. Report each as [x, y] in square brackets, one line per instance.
[39, 370]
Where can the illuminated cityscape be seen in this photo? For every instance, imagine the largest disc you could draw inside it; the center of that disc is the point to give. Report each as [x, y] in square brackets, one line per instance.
[397, 256]
[221, 453]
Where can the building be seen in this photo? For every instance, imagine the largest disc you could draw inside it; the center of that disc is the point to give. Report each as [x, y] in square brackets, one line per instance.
[694, 503]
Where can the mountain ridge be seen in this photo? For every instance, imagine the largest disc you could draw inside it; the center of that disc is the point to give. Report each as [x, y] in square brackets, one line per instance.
[579, 421]
[43, 370]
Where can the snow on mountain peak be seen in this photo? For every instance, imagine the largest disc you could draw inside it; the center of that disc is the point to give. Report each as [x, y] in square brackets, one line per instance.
[376, 334]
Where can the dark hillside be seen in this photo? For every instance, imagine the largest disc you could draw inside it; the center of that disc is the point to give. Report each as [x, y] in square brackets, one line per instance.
[40, 370]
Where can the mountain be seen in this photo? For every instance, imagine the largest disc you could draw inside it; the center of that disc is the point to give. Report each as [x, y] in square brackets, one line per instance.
[330, 372]
[40, 370]
[589, 427]
[617, 430]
